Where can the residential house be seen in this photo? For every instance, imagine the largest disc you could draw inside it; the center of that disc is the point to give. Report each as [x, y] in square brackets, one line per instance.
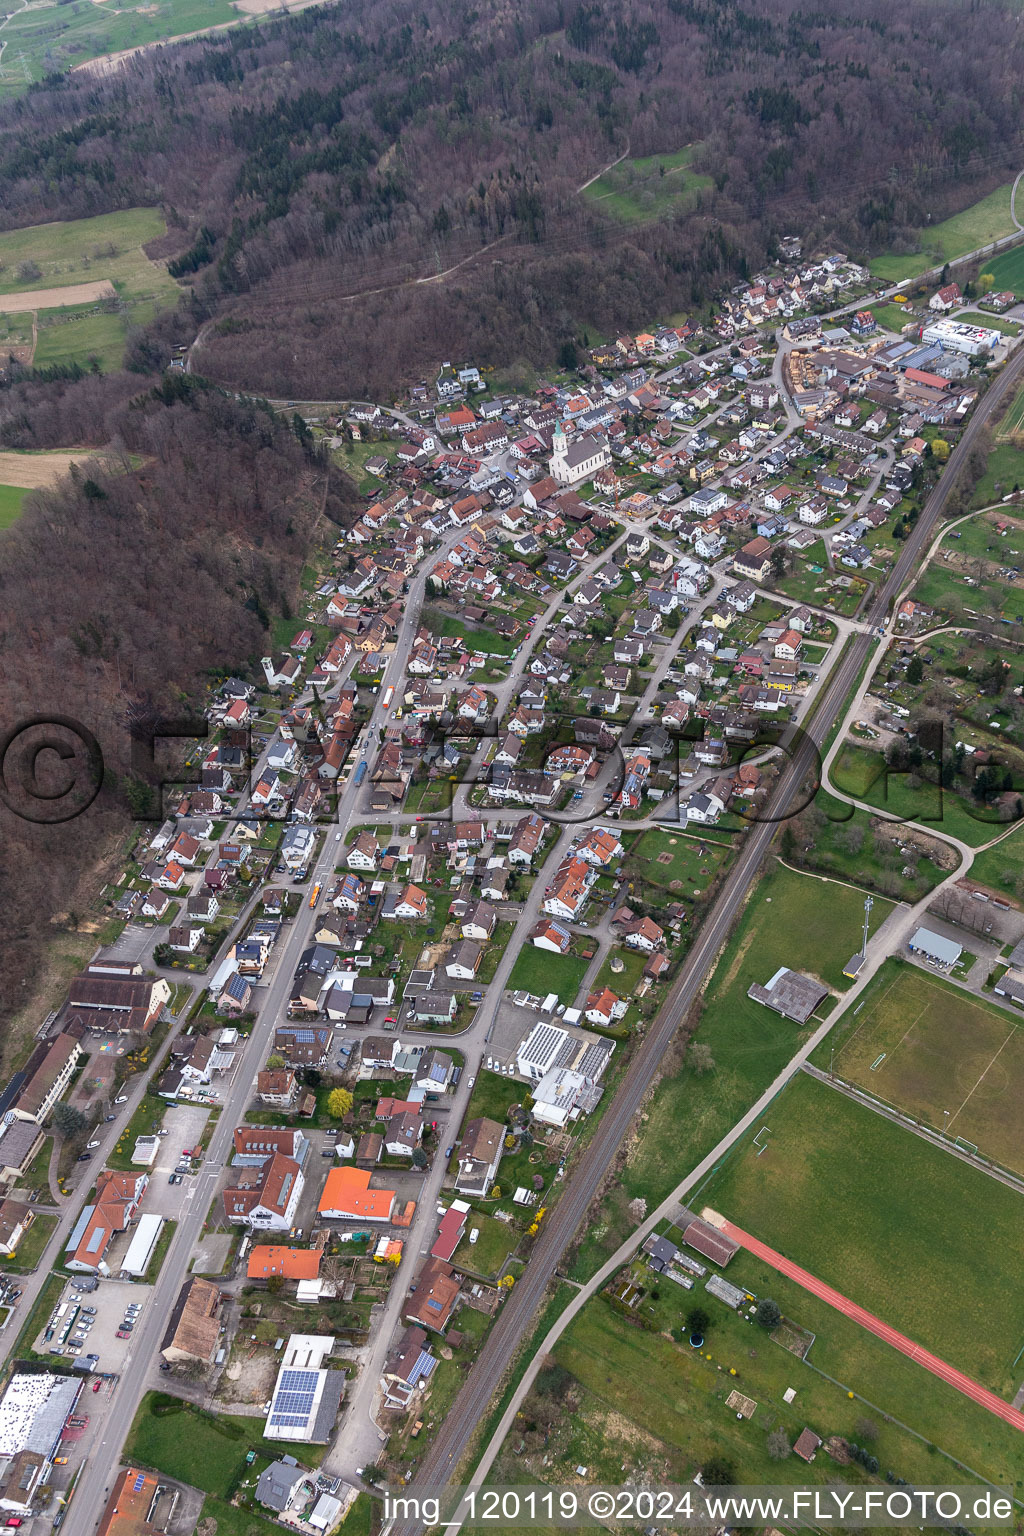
[264, 1195]
[479, 1156]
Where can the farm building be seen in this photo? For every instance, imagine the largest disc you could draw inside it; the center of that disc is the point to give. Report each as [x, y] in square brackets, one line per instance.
[789, 993]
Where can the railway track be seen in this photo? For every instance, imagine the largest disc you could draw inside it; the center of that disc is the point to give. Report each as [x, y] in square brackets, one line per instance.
[524, 1301]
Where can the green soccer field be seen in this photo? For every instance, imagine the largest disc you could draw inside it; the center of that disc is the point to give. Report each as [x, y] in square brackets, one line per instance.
[922, 1240]
[926, 1046]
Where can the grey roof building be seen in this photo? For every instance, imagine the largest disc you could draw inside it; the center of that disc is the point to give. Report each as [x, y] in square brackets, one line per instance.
[278, 1483]
[789, 993]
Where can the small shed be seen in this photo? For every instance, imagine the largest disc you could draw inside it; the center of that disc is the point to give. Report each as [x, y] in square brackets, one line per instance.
[806, 1445]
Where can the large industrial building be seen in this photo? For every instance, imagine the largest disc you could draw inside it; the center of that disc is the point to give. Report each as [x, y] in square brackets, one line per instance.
[33, 1411]
[956, 336]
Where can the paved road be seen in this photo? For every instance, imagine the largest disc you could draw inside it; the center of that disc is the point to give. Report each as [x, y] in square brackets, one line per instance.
[523, 1303]
[98, 1471]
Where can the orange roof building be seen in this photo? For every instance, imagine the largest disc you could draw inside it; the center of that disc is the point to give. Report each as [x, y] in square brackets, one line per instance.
[290, 1263]
[404, 1217]
[347, 1196]
[130, 1505]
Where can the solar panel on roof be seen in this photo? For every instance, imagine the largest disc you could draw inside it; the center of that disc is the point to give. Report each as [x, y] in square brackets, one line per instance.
[293, 1401]
[140, 1482]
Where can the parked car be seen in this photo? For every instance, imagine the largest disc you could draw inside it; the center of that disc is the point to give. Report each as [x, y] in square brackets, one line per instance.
[85, 1157]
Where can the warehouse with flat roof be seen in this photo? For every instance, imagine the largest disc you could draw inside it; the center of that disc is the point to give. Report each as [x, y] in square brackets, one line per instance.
[937, 950]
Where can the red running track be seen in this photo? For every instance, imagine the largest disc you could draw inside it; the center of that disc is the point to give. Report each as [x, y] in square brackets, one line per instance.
[948, 1373]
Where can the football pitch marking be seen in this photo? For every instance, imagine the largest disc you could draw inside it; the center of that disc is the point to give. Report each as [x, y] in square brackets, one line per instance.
[1013, 1030]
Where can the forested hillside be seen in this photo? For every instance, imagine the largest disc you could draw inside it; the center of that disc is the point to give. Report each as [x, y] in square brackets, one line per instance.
[123, 590]
[353, 146]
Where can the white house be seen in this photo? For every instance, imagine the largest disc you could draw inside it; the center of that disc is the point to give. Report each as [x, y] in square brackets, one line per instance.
[704, 809]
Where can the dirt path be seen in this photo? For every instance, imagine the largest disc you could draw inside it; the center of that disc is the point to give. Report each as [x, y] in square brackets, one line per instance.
[56, 1195]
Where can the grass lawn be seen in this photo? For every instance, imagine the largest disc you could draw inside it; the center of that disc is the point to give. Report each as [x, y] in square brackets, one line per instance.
[750, 1045]
[30, 1249]
[984, 221]
[232, 1521]
[1005, 470]
[1008, 270]
[863, 774]
[1002, 867]
[539, 971]
[11, 498]
[205, 1451]
[477, 637]
[681, 863]
[993, 322]
[625, 981]
[35, 1322]
[916, 1249]
[35, 1175]
[979, 538]
[892, 317]
[53, 39]
[163, 1242]
[803, 585]
[353, 456]
[79, 251]
[946, 591]
[928, 1047]
[146, 1121]
[486, 1257]
[684, 1401]
[637, 191]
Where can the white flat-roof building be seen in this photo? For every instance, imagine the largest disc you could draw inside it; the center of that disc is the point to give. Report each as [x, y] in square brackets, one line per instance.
[144, 1241]
[956, 336]
[934, 948]
[33, 1410]
[146, 1148]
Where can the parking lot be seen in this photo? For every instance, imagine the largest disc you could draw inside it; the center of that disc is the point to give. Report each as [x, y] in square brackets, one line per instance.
[97, 1329]
[184, 1124]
